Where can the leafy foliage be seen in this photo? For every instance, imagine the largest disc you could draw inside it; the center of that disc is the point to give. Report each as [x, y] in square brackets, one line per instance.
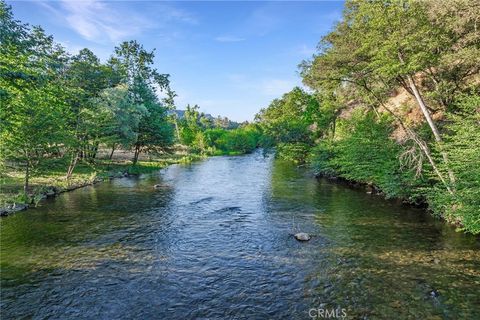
[218, 141]
[54, 105]
[33, 106]
[428, 51]
[462, 145]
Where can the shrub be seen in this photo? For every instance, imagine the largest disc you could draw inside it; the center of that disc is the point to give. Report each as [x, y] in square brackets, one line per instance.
[295, 152]
[462, 146]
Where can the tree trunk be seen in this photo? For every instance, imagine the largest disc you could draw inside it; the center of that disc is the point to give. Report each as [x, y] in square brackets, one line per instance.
[433, 127]
[177, 130]
[27, 179]
[414, 137]
[424, 109]
[136, 154]
[93, 152]
[334, 125]
[113, 150]
[72, 165]
[424, 147]
[426, 113]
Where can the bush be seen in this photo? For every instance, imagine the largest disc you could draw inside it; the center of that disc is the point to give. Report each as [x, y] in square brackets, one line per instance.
[238, 141]
[199, 143]
[241, 140]
[295, 152]
[461, 143]
[321, 159]
[365, 153]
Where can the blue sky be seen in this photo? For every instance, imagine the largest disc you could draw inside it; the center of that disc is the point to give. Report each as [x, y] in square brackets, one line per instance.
[231, 58]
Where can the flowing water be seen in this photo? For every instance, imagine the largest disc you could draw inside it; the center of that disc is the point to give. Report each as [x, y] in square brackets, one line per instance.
[215, 242]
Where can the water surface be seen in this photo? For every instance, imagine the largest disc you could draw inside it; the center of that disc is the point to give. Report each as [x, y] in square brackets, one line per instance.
[215, 243]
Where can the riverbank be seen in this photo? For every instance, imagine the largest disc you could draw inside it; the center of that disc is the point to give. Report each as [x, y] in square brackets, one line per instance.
[381, 173]
[50, 180]
[374, 190]
[420, 201]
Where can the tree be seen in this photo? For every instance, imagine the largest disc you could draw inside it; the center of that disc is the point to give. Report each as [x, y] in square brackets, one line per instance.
[169, 103]
[290, 118]
[32, 93]
[119, 116]
[155, 132]
[134, 64]
[431, 51]
[357, 60]
[220, 122]
[461, 145]
[190, 124]
[88, 77]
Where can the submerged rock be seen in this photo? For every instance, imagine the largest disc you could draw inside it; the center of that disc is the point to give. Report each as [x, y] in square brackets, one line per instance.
[12, 209]
[51, 192]
[3, 212]
[19, 207]
[302, 236]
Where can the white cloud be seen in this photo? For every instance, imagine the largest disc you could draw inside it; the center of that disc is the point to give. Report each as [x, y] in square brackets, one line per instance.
[98, 21]
[229, 39]
[102, 22]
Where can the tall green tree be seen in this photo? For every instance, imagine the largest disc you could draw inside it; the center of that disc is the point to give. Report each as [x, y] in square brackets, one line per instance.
[135, 65]
[190, 124]
[32, 94]
[119, 117]
[88, 77]
[155, 131]
[290, 118]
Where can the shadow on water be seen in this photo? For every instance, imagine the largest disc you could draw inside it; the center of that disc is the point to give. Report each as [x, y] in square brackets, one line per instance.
[215, 242]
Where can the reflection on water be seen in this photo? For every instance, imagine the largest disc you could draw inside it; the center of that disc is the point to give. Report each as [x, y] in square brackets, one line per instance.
[215, 242]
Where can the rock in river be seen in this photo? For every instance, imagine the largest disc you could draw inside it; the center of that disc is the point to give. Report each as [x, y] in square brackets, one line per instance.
[302, 236]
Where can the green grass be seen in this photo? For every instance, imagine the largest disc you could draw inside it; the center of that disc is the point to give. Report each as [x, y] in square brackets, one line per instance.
[52, 174]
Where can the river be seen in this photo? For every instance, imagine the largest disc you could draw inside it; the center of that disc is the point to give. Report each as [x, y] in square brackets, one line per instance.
[215, 242]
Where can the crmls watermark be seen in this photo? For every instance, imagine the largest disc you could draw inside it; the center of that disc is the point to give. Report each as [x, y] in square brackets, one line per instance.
[327, 313]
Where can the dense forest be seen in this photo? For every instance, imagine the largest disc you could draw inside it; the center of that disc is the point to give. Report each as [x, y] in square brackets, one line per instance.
[393, 102]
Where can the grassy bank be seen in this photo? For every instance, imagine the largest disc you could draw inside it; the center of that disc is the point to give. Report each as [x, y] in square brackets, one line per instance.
[50, 176]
